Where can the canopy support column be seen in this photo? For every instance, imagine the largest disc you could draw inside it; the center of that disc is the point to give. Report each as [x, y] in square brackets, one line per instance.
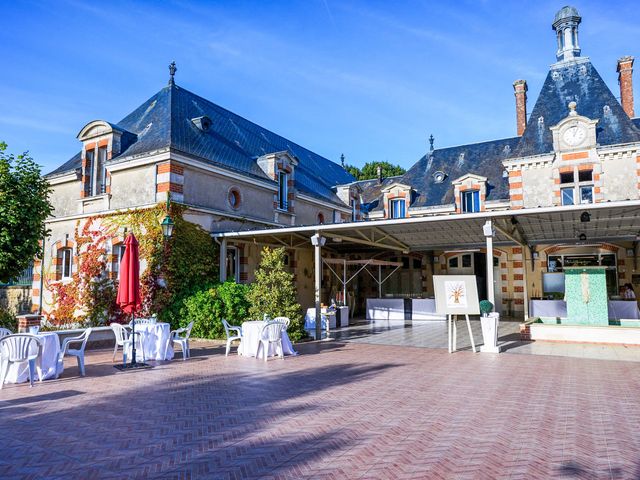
[379, 281]
[223, 259]
[317, 241]
[344, 283]
[489, 232]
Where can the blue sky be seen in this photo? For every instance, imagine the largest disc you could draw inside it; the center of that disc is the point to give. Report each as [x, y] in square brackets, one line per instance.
[371, 79]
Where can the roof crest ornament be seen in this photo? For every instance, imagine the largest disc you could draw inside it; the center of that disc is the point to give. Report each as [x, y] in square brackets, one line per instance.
[172, 72]
[431, 140]
[572, 109]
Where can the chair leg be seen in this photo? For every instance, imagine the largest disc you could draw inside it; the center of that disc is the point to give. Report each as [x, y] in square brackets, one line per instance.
[188, 348]
[228, 348]
[81, 364]
[32, 367]
[265, 351]
[124, 357]
[4, 368]
[183, 344]
[115, 351]
[281, 350]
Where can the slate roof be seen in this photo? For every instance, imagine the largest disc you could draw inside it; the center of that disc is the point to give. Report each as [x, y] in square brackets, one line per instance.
[232, 142]
[484, 158]
[636, 122]
[372, 192]
[580, 82]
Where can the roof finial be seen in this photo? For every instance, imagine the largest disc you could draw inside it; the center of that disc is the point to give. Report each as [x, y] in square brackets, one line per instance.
[431, 140]
[572, 109]
[342, 160]
[172, 72]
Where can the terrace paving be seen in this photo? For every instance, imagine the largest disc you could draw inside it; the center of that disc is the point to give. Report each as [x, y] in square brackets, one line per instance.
[339, 410]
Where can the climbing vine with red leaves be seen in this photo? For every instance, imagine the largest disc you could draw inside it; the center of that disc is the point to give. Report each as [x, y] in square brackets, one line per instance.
[168, 267]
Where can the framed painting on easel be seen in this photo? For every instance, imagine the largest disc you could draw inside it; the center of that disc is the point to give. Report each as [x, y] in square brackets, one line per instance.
[456, 295]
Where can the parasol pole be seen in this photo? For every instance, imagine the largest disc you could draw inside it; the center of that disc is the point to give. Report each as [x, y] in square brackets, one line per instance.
[133, 337]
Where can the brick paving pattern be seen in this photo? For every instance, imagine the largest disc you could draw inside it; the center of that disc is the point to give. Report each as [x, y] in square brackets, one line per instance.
[339, 410]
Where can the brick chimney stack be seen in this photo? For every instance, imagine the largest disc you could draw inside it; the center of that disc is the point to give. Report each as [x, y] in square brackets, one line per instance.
[625, 79]
[520, 91]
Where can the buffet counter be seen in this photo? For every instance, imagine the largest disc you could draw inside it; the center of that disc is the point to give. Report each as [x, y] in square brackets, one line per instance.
[402, 309]
[618, 309]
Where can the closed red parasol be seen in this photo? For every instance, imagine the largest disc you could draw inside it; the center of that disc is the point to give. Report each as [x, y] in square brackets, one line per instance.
[129, 288]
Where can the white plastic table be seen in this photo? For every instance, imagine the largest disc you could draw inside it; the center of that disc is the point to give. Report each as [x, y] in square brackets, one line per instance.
[47, 363]
[155, 341]
[251, 338]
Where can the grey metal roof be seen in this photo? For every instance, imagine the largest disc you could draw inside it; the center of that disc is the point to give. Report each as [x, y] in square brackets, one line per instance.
[484, 158]
[372, 192]
[580, 82]
[232, 142]
[566, 12]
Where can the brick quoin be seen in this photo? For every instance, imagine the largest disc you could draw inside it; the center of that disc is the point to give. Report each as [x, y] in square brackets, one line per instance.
[575, 156]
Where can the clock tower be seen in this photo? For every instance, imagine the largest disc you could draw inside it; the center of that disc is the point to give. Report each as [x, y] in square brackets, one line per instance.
[574, 132]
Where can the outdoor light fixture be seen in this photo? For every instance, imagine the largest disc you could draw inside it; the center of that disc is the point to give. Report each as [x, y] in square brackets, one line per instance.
[167, 224]
[582, 237]
[317, 240]
[585, 217]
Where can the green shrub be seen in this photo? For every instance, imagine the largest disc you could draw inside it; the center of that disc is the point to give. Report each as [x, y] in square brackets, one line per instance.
[207, 306]
[8, 320]
[274, 293]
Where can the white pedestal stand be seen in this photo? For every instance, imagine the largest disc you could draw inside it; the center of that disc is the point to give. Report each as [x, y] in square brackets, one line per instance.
[453, 332]
[490, 333]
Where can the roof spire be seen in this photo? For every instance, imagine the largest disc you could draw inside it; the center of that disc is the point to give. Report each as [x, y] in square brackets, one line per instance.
[565, 24]
[342, 160]
[172, 72]
[431, 140]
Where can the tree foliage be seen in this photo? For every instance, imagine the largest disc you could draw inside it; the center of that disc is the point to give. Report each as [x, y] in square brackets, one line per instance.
[274, 292]
[370, 170]
[24, 207]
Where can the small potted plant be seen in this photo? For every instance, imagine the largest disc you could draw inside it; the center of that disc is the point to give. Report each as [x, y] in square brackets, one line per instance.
[489, 322]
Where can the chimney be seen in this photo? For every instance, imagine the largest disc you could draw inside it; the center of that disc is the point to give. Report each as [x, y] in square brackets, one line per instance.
[379, 169]
[625, 79]
[520, 91]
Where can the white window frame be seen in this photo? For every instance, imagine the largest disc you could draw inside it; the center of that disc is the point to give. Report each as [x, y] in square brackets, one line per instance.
[118, 250]
[283, 191]
[66, 268]
[475, 196]
[576, 188]
[392, 207]
[99, 180]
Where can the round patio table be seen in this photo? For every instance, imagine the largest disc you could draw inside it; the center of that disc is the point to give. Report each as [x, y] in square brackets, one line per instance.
[251, 338]
[155, 338]
[47, 363]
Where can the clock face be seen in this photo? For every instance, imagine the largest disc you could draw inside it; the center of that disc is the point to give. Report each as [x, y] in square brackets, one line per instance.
[574, 135]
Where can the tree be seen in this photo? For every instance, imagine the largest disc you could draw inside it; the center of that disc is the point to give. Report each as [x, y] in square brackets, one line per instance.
[370, 170]
[24, 207]
[274, 293]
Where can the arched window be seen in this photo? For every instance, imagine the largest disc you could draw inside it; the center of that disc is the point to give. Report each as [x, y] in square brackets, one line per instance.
[234, 198]
[65, 263]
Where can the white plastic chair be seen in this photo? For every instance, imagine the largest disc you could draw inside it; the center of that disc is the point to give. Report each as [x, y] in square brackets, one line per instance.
[283, 320]
[175, 337]
[124, 340]
[230, 336]
[20, 348]
[78, 353]
[4, 332]
[271, 333]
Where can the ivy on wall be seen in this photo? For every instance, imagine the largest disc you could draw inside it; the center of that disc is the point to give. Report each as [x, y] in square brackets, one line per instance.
[168, 268]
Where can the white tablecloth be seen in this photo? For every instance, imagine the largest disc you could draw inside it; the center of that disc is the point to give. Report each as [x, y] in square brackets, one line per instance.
[155, 342]
[385, 308]
[310, 319]
[618, 309]
[19, 372]
[251, 338]
[425, 309]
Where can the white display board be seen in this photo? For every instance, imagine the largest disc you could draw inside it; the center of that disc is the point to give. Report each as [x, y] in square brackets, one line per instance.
[456, 294]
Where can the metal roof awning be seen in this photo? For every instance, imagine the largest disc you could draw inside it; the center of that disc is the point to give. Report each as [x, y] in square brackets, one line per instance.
[609, 221]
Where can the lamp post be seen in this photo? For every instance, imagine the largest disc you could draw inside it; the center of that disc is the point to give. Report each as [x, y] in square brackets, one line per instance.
[318, 242]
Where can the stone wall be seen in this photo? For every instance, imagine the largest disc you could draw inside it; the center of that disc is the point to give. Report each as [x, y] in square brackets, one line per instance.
[16, 298]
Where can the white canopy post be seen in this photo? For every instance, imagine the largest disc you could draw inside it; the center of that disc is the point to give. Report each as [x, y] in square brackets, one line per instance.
[489, 232]
[344, 283]
[379, 281]
[317, 241]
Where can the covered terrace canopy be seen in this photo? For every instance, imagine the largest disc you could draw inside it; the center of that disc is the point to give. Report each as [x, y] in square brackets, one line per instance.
[610, 221]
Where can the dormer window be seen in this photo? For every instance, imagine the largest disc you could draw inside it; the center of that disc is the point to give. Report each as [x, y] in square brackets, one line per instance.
[283, 190]
[397, 208]
[470, 201]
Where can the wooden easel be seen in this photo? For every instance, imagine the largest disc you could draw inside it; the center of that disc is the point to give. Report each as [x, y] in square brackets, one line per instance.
[452, 321]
